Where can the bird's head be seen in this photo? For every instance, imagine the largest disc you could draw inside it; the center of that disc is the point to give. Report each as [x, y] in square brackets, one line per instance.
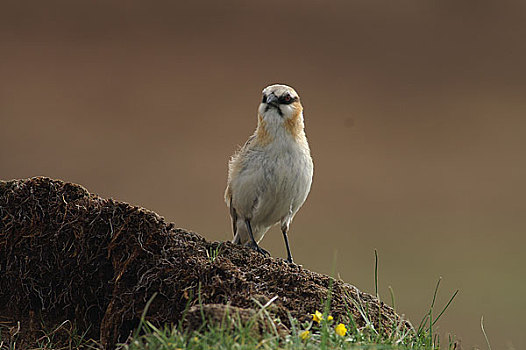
[280, 110]
[282, 101]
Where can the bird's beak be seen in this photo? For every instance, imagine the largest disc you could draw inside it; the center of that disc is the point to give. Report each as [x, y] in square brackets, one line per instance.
[272, 100]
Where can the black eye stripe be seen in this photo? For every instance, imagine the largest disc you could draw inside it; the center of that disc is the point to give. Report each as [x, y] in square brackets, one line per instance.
[283, 99]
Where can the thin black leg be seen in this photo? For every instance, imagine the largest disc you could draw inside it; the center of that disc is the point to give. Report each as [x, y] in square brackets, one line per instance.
[286, 238]
[254, 244]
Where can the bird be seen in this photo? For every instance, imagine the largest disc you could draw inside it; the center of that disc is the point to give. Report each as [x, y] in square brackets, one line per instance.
[270, 176]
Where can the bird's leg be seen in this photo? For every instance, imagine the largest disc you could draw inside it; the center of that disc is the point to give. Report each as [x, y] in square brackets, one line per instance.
[284, 229]
[254, 244]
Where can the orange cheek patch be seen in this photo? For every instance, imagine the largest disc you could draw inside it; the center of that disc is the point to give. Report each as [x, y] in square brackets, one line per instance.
[293, 124]
[262, 135]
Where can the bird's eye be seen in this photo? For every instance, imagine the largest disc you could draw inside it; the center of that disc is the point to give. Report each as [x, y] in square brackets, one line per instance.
[287, 98]
[264, 100]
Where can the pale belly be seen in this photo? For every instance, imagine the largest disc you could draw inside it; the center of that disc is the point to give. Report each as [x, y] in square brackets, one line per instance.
[274, 187]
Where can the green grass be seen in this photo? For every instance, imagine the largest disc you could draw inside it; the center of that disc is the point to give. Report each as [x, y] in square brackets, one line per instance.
[308, 335]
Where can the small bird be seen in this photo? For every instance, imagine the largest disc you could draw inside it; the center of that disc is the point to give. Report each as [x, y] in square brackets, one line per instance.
[270, 177]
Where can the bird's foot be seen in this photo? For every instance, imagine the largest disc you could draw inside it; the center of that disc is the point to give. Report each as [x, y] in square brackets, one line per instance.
[291, 264]
[258, 249]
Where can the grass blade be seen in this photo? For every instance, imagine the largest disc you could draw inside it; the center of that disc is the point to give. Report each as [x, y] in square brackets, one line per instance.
[445, 307]
[484, 332]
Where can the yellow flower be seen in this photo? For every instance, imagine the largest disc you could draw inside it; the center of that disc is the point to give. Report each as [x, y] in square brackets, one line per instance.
[304, 335]
[317, 316]
[330, 318]
[340, 329]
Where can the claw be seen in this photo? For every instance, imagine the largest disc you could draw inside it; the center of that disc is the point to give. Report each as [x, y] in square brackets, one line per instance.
[258, 249]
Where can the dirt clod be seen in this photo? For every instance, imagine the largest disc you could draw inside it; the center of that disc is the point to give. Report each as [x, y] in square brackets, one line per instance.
[70, 256]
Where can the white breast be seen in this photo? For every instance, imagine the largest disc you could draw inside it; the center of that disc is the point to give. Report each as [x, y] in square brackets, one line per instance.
[285, 178]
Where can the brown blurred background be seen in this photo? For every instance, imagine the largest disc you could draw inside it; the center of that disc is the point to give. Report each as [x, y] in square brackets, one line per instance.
[415, 111]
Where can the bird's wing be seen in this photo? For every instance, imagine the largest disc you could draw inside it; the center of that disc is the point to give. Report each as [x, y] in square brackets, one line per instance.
[247, 144]
[228, 192]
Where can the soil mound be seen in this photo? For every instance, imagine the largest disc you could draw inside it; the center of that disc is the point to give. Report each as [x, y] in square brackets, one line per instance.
[70, 256]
